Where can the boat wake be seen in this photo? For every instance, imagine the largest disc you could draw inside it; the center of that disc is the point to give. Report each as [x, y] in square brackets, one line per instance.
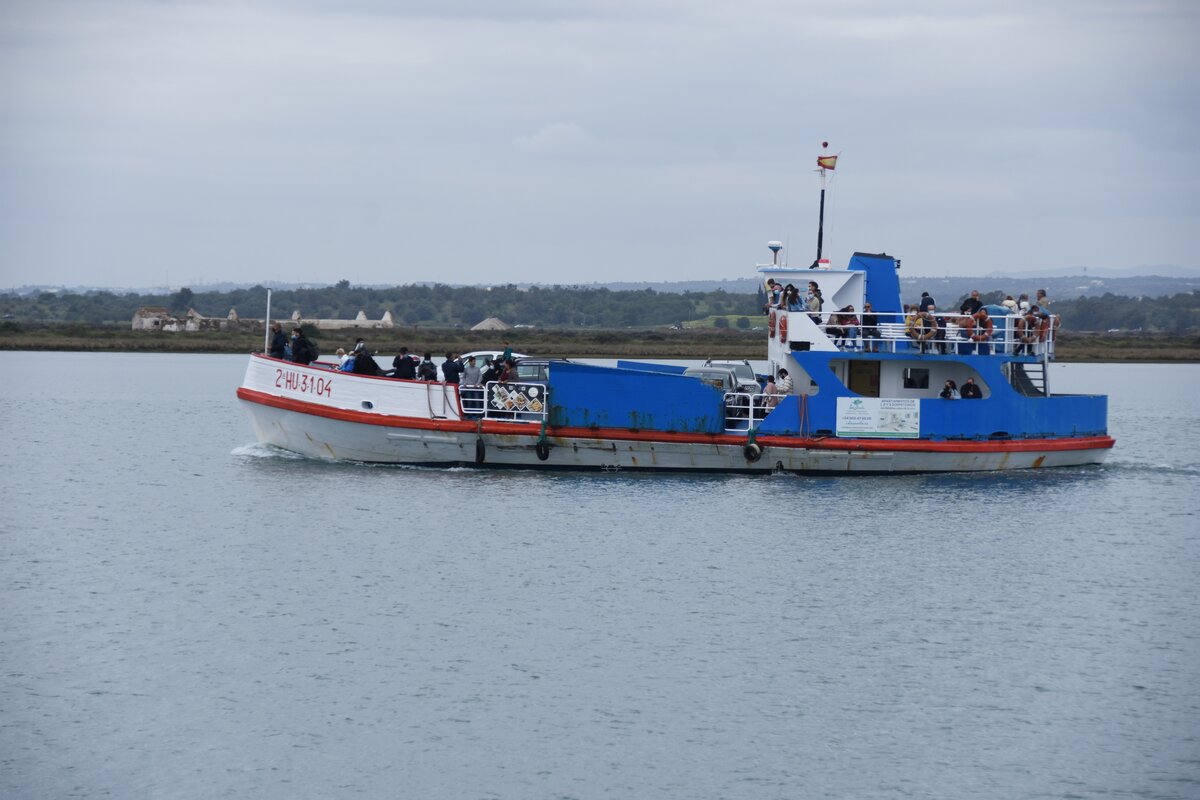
[260, 450]
[1151, 469]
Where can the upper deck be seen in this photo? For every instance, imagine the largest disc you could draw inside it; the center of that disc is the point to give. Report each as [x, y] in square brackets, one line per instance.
[861, 313]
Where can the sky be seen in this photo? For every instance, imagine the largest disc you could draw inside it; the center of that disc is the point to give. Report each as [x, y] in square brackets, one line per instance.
[181, 143]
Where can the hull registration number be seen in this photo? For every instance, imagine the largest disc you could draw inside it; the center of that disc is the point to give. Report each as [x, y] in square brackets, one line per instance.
[303, 382]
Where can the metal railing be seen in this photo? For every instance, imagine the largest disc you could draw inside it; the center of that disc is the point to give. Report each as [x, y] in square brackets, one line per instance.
[744, 411]
[508, 402]
[892, 332]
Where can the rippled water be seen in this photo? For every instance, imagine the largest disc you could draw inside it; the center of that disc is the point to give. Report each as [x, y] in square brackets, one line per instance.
[188, 614]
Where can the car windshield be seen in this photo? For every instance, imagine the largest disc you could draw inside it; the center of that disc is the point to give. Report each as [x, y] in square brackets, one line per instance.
[742, 371]
[536, 371]
[715, 377]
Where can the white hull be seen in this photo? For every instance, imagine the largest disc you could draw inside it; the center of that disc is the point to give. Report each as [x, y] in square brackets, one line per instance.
[323, 437]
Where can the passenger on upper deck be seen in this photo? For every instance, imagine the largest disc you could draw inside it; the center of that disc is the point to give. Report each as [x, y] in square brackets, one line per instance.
[910, 321]
[1046, 325]
[1026, 333]
[870, 329]
[491, 372]
[1010, 304]
[844, 326]
[1042, 300]
[816, 304]
[927, 302]
[924, 330]
[791, 299]
[774, 292]
[971, 304]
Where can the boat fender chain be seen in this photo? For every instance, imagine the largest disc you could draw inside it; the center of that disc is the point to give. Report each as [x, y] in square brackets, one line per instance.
[542, 448]
[752, 451]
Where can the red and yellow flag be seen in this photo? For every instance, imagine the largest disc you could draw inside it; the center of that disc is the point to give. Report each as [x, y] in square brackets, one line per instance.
[827, 162]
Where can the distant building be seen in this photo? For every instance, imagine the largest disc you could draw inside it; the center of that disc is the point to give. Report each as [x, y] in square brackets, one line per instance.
[151, 318]
[157, 318]
[491, 324]
[359, 321]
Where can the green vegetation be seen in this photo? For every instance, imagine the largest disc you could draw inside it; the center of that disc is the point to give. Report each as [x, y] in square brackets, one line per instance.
[708, 342]
[570, 321]
[546, 307]
[437, 305]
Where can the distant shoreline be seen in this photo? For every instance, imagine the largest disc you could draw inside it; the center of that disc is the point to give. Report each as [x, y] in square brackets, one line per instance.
[590, 343]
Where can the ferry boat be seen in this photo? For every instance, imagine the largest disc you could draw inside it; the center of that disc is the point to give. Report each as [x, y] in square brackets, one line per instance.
[865, 397]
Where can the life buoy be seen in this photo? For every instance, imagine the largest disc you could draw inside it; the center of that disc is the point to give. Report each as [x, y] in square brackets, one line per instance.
[783, 327]
[924, 333]
[771, 325]
[752, 452]
[542, 448]
[480, 451]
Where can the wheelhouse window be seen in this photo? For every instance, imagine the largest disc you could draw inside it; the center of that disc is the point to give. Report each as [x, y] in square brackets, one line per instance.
[916, 378]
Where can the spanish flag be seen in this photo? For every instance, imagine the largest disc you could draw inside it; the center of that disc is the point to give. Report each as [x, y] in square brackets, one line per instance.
[827, 162]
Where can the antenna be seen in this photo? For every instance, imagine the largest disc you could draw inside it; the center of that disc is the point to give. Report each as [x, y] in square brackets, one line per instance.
[775, 247]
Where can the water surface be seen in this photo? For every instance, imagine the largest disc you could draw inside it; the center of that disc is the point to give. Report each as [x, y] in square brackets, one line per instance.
[189, 614]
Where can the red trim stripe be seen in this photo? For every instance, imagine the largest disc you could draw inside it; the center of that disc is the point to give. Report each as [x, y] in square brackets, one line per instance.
[625, 435]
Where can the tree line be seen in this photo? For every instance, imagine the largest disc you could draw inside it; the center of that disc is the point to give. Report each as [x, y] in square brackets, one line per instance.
[548, 307]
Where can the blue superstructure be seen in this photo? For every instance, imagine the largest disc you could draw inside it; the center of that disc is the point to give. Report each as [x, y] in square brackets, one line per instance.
[1016, 404]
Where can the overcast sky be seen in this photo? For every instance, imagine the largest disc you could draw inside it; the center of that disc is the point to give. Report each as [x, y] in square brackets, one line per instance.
[573, 141]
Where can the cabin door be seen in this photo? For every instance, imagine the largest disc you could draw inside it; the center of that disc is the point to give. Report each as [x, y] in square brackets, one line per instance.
[864, 378]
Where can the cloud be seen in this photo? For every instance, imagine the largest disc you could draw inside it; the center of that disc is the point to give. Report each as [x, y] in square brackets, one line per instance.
[560, 139]
[358, 136]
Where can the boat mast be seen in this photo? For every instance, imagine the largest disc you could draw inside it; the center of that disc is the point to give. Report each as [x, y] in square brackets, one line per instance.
[267, 326]
[824, 162]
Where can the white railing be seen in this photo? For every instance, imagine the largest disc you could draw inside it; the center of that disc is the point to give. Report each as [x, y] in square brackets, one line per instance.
[744, 411]
[891, 333]
[509, 402]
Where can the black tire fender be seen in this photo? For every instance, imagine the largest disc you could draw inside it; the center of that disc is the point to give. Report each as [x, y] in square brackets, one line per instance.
[752, 452]
[542, 448]
[480, 451]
